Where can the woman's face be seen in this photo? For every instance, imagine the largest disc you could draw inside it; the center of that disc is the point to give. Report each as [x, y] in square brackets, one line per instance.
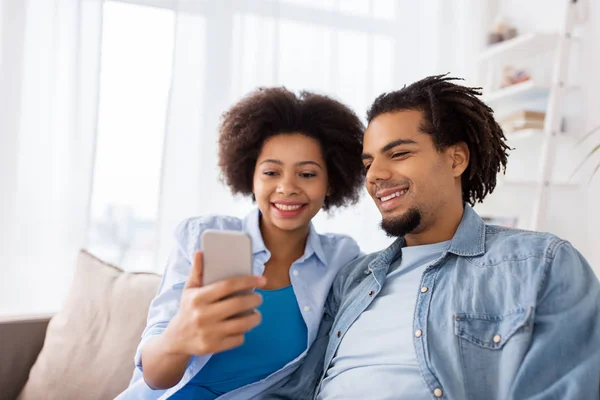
[290, 181]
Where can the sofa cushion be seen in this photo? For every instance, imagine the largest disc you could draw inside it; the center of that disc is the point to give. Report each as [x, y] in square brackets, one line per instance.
[90, 344]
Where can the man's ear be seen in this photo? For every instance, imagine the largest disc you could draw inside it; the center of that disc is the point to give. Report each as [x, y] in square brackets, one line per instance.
[460, 158]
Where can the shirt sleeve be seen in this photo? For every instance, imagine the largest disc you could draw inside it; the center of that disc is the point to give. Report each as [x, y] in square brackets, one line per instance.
[165, 304]
[563, 360]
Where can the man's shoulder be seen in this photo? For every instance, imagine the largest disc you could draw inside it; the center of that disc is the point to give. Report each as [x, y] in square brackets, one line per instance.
[504, 243]
[358, 268]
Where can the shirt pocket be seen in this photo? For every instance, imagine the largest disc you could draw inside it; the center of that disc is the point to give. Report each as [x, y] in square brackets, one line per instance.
[491, 349]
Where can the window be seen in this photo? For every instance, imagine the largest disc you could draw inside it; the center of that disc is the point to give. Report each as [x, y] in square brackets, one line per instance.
[134, 83]
[194, 59]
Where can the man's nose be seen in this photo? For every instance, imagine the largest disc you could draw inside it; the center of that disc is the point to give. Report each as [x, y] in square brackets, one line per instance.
[378, 171]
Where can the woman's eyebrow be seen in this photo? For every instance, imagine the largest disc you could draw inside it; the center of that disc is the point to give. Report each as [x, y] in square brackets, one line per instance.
[271, 161]
[302, 163]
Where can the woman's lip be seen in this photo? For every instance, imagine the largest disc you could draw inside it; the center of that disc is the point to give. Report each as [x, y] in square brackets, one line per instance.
[289, 213]
[288, 203]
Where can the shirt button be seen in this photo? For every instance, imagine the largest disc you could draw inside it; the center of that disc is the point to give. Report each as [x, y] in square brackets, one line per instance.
[424, 289]
[437, 392]
[295, 272]
[497, 338]
[371, 292]
[418, 332]
[339, 333]
[306, 308]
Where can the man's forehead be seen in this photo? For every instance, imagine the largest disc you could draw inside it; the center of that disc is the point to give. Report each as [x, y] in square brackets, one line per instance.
[400, 125]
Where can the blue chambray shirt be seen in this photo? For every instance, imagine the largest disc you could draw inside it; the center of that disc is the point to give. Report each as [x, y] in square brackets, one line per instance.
[501, 314]
[311, 277]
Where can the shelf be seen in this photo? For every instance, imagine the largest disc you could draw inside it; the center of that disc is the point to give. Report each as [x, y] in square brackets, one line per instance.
[534, 184]
[524, 90]
[522, 134]
[525, 45]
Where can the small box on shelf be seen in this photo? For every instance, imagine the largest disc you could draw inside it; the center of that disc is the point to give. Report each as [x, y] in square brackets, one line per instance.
[522, 120]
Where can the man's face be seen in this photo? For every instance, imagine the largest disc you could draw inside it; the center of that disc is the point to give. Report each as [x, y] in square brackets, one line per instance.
[411, 182]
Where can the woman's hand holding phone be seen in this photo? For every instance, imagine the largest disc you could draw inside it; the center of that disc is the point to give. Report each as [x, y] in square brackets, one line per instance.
[208, 319]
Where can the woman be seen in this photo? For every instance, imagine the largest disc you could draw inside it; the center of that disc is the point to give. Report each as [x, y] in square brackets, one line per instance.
[294, 155]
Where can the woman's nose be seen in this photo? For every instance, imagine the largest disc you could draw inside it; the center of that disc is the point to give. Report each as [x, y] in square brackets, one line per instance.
[287, 187]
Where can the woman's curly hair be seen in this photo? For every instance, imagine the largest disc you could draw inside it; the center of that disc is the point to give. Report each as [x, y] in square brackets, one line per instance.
[267, 112]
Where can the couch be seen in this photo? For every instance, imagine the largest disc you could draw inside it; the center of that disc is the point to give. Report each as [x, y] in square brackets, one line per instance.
[85, 351]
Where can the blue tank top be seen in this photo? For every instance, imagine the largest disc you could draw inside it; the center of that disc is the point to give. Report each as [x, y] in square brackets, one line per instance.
[279, 339]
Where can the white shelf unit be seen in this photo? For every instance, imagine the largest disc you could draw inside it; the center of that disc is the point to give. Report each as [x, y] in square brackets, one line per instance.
[520, 46]
[551, 90]
[521, 90]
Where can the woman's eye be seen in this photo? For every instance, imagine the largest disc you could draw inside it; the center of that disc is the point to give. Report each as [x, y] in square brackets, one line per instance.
[270, 173]
[308, 175]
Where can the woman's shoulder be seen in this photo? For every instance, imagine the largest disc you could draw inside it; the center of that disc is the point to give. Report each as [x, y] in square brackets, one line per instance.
[339, 248]
[188, 233]
[196, 225]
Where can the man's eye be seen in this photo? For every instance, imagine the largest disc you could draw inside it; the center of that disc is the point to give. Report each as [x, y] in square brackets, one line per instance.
[367, 167]
[400, 154]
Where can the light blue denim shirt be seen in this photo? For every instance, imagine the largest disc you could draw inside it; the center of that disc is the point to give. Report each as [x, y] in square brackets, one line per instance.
[501, 314]
[311, 277]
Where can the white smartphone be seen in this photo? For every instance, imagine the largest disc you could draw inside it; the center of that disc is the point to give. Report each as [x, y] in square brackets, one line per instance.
[227, 254]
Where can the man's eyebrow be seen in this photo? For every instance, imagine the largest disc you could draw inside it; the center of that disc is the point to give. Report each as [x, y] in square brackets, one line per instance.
[388, 147]
[395, 143]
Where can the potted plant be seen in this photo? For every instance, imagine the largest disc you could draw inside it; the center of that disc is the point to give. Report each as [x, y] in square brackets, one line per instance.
[595, 149]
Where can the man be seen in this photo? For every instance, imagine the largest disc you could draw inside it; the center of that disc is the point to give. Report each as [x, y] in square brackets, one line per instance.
[454, 308]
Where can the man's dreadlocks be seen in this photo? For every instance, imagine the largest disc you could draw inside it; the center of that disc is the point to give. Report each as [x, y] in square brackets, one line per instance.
[453, 114]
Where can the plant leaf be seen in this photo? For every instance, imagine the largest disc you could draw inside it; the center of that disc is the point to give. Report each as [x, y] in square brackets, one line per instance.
[587, 135]
[587, 157]
[594, 173]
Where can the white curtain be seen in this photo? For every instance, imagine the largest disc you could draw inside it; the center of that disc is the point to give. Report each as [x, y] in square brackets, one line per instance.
[48, 82]
[51, 69]
[352, 50]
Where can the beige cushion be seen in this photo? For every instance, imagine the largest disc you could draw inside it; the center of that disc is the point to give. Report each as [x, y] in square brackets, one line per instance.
[89, 346]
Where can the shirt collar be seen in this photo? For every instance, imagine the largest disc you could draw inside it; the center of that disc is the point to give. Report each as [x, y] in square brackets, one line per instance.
[314, 246]
[251, 225]
[313, 242]
[469, 240]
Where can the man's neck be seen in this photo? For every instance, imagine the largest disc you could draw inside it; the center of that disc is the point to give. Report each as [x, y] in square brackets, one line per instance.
[441, 229]
[284, 245]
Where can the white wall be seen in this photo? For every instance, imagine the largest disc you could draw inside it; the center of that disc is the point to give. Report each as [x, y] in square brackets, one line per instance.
[574, 210]
[591, 107]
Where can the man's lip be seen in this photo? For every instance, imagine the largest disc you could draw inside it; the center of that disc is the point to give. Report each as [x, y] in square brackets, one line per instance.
[382, 193]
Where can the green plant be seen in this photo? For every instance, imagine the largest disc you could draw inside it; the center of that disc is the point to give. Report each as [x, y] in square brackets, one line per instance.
[593, 151]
